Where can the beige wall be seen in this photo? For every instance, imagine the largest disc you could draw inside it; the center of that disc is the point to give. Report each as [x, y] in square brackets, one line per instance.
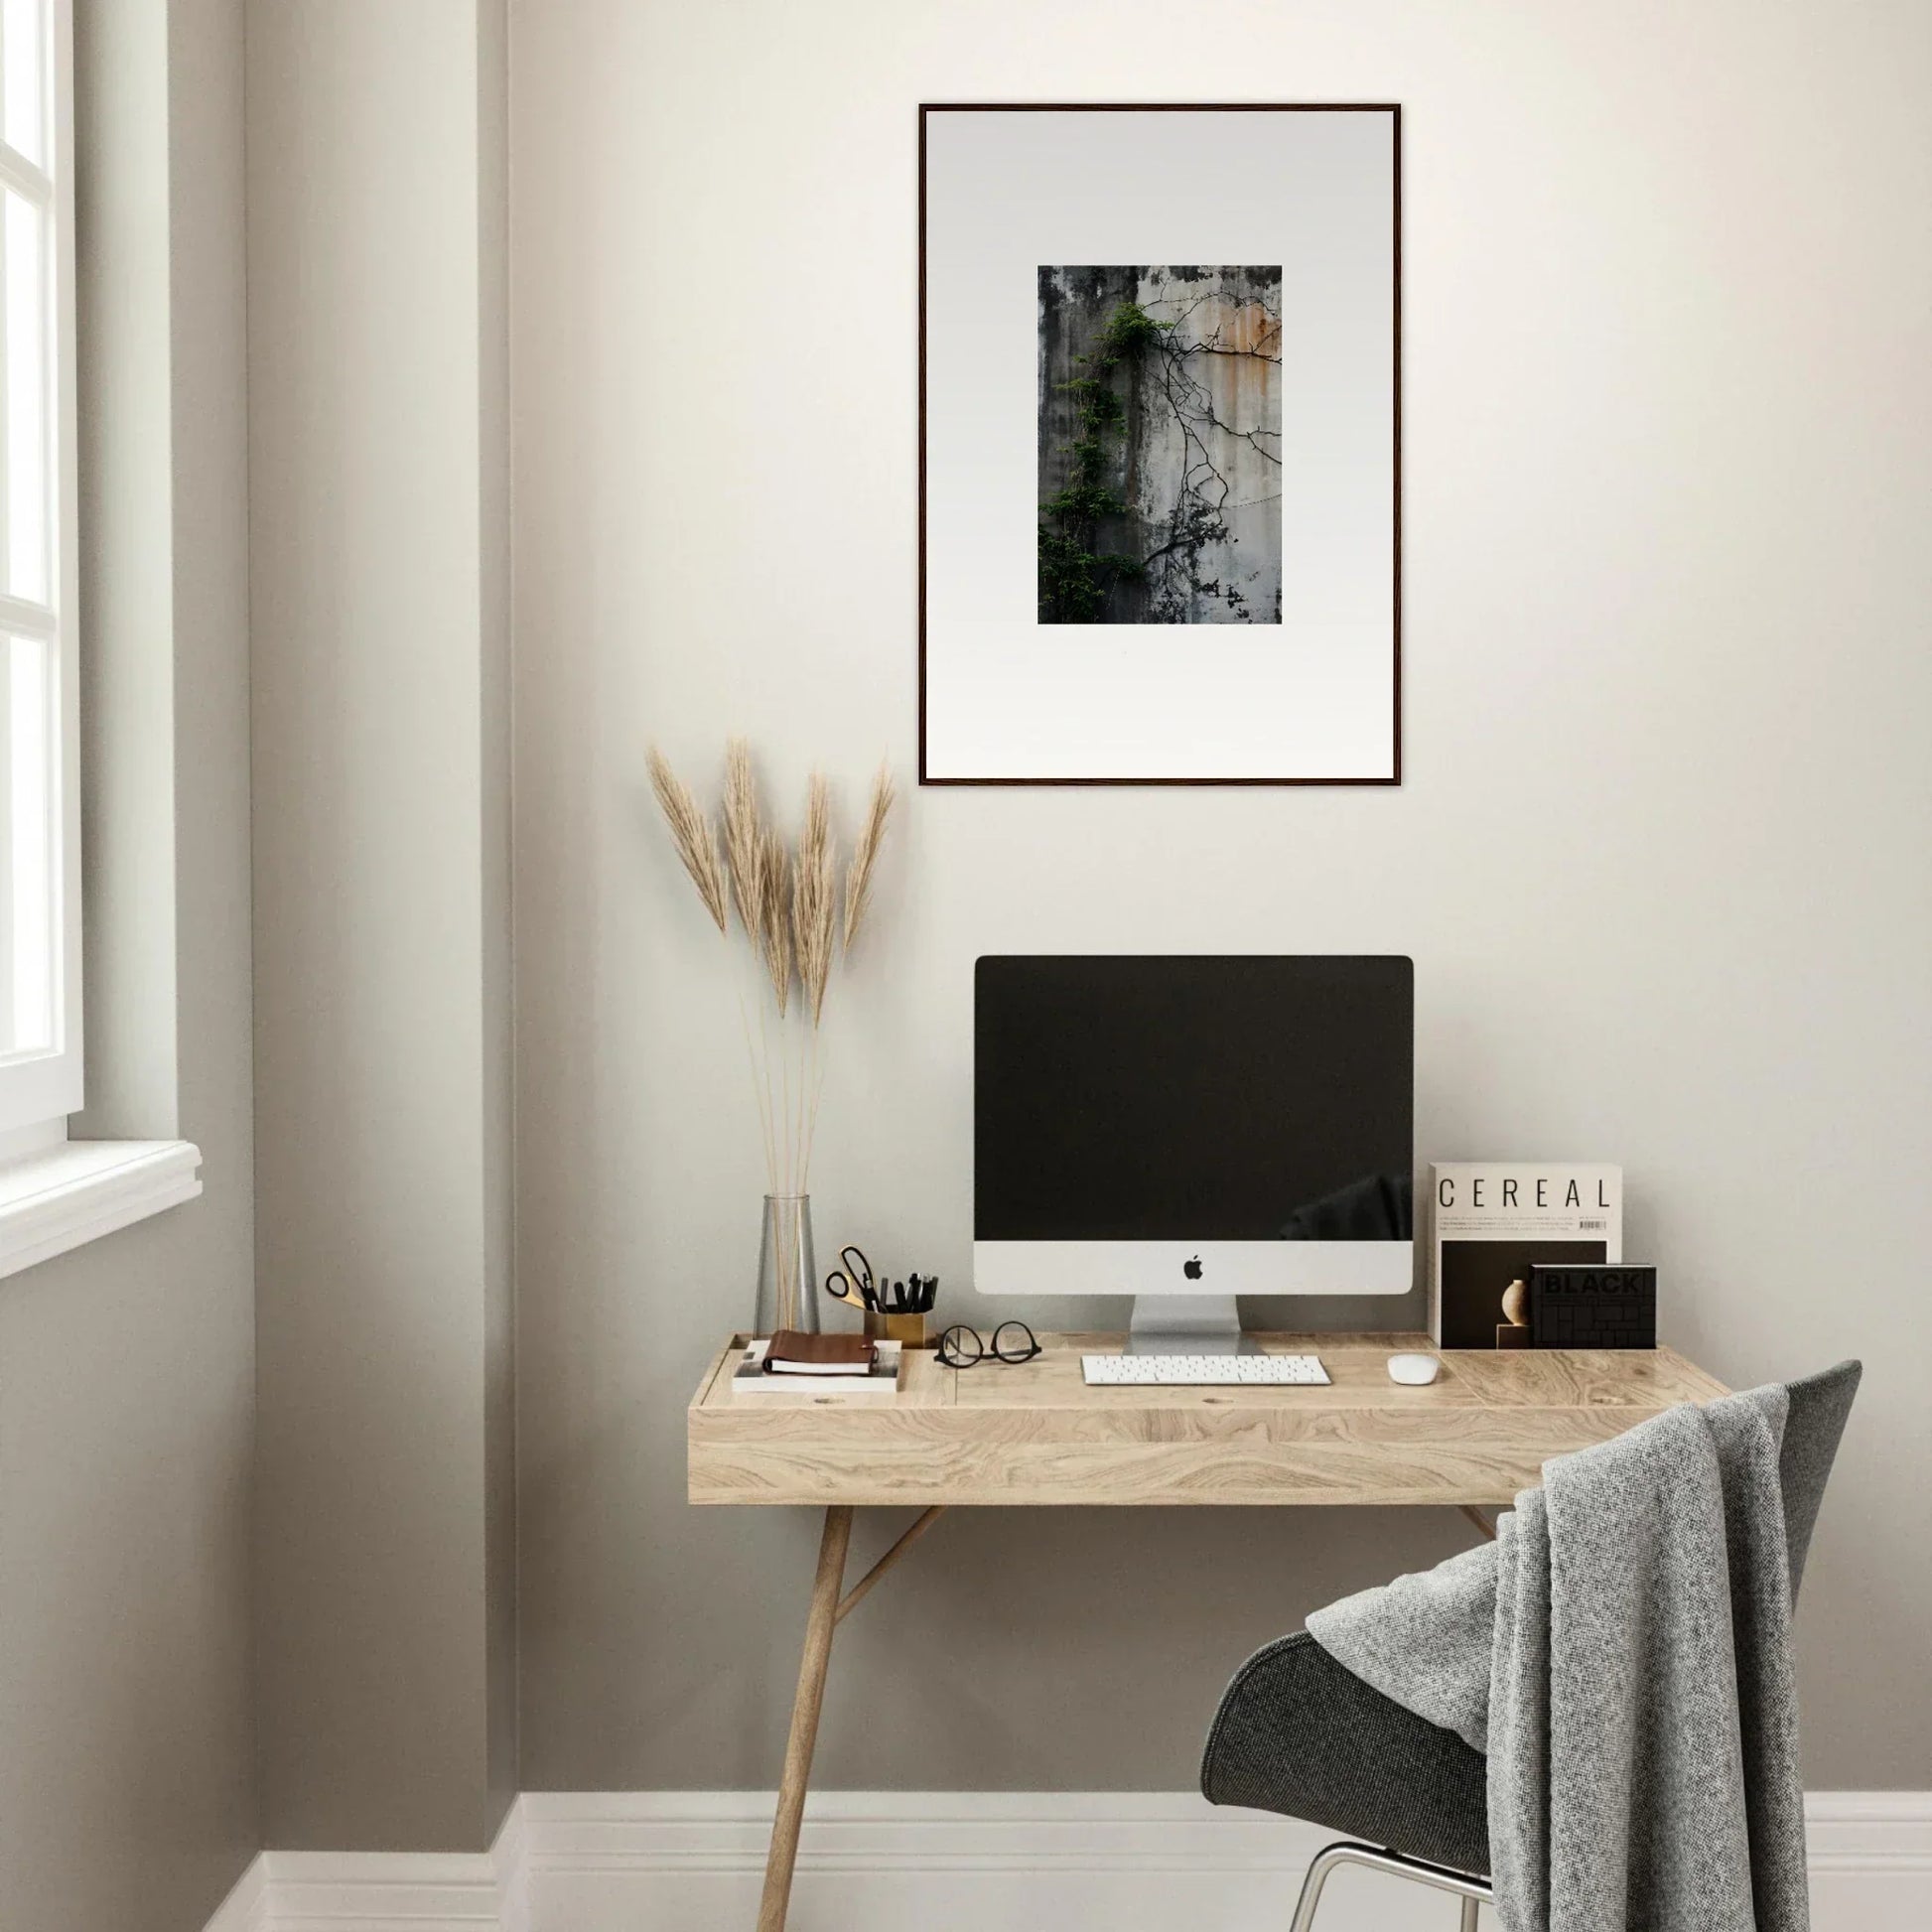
[381, 833]
[127, 1369]
[1660, 856]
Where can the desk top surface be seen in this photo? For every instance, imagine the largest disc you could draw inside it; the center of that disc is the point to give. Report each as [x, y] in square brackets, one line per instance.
[1033, 1433]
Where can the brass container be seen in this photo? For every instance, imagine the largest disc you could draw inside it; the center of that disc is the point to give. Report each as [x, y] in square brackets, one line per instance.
[908, 1329]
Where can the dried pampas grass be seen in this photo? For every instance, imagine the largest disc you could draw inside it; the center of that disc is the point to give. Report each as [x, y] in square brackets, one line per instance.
[864, 853]
[814, 897]
[787, 903]
[691, 833]
[775, 916]
[744, 837]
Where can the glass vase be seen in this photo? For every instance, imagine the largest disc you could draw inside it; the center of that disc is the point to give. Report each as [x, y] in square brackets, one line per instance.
[787, 1269]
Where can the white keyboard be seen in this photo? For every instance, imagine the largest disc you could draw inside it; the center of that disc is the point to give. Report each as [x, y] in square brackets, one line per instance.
[1202, 1371]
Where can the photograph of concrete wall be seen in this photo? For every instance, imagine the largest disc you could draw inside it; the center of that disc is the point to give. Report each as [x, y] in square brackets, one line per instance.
[1160, 445]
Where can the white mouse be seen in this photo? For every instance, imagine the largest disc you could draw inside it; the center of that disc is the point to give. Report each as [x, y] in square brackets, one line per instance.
[1414, 1369]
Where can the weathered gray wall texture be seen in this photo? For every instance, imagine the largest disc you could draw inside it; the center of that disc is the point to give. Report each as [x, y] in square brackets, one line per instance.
[1666, 588]
[1161, 401]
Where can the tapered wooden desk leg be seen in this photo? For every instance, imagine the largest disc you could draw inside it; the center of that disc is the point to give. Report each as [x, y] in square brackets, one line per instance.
[819, 1623]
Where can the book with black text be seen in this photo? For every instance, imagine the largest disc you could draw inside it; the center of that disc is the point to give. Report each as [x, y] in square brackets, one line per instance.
[1490, 1221]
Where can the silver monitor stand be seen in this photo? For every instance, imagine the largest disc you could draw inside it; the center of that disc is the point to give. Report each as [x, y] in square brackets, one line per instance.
[1186, 1324]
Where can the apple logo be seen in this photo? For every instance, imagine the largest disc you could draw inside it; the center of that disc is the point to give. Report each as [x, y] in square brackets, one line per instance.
[1191, 1269]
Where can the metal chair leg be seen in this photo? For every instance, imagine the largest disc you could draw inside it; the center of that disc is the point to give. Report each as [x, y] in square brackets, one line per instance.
[1472, 1892]
[1324, 1864]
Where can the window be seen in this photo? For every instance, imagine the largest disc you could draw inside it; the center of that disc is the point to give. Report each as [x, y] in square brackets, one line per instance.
[55, 1194]
[40, 813]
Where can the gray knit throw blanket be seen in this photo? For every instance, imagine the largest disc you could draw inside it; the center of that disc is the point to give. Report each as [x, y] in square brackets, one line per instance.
[1622, 1652]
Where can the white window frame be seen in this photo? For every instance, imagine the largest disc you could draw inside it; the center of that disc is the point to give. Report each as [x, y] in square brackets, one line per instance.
[57, 1193]
[38, 1090]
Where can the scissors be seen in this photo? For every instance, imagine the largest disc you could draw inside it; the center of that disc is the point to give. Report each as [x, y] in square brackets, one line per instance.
[852, 1282]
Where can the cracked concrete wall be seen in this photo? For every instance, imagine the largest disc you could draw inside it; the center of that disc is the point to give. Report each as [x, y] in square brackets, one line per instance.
[1197, 460]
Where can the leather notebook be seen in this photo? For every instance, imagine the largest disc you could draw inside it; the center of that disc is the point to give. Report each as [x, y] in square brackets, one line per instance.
[795, 1353]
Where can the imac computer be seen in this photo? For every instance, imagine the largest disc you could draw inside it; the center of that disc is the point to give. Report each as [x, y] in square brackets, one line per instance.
[1188, 1129]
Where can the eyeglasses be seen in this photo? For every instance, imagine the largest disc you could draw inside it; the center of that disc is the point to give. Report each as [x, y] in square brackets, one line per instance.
[1012, 1341]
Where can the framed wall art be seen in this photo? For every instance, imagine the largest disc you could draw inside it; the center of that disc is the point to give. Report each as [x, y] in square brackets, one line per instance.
[1159, 445]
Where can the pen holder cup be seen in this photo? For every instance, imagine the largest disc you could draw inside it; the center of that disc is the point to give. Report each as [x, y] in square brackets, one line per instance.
[908, 1330]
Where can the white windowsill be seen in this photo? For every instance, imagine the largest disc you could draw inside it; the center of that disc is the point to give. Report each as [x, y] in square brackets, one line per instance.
[81, 1190]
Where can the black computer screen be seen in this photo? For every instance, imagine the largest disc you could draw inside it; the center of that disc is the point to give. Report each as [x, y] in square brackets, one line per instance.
[1154, 1098]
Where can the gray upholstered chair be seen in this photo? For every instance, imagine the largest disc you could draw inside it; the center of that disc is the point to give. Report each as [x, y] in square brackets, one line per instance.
[1299, 1734]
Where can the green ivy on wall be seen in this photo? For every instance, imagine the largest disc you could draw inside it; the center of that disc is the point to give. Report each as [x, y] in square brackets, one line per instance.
[1075, 574]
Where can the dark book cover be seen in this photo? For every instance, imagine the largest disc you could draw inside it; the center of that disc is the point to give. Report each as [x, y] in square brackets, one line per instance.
[1475, 1275]
[1611, 1306]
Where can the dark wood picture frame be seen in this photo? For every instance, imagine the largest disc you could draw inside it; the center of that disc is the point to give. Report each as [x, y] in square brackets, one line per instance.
[1390, 109]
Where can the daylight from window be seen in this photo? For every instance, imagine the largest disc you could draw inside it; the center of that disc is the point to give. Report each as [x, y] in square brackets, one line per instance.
[35, 653]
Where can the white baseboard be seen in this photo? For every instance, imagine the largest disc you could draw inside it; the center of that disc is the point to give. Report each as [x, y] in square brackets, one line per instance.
[1870, 1859]
[245, 1909]
[385, 1892]
[955, 1861]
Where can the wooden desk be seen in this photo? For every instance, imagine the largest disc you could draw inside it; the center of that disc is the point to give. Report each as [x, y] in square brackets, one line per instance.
[1032, 1433]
